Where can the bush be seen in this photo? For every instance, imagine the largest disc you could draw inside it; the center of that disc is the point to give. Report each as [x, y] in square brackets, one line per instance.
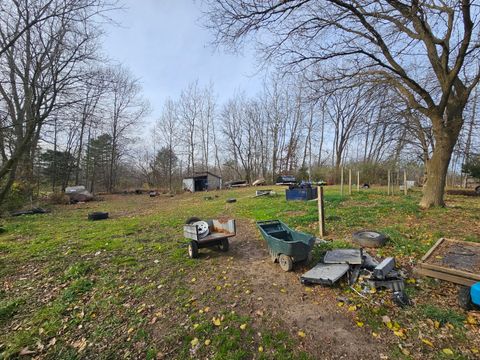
[58, 198]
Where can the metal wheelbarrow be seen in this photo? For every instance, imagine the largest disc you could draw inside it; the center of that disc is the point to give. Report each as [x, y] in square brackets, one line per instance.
[208, 233]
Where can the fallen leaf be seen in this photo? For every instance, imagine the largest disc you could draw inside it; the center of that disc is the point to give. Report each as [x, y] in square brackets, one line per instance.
[26, 351]
[195, 326]
[447, 351]
[282, 290]
[194, 342]
[360, 324]
[216, 321]
[243, 326]
[352, 308]
[427, 342]
[80, 345]
[301, 334]
[207, 342]
[193, 280]
[471, 320]
[260, 349]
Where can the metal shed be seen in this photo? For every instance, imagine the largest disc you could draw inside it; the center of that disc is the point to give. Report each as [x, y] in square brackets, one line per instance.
[202, 181]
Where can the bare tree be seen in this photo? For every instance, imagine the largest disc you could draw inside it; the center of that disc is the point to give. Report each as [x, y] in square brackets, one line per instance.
[127, 108]
[43, 57]
[168, 134]
[397, 42]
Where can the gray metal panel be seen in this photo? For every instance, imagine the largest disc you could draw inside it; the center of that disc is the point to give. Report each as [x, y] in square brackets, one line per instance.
[326, 274]
[382, 270]
[343, 256]
[190, 232]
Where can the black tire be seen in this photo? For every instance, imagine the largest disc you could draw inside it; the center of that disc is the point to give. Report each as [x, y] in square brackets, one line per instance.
[370, 239]
[192, 219]
[193, 249]
[285, 262]
[98, 215]
[477, 190]
[232, 200]
[366, 186]
[224, 245]
[464, 297]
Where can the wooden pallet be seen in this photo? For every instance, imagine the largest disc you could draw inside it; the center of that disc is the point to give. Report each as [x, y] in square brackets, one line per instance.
[448, 273]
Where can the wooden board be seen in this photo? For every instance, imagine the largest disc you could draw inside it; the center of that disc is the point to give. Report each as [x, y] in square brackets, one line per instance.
[452, 260]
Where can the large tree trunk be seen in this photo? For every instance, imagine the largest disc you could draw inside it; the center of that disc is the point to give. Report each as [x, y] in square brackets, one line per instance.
[437, 166]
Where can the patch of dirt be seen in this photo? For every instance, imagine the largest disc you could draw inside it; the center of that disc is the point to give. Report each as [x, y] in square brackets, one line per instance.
[281, 298]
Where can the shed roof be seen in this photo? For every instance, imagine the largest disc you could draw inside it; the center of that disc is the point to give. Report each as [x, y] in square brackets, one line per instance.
[201, 174]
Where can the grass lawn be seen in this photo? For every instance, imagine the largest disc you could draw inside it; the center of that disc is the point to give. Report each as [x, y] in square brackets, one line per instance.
[125, 287]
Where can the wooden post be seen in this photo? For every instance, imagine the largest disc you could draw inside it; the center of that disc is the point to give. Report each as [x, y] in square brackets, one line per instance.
[405, 188]
[349, 181]
[358, 180]
[341, 182]
[321, 213]
[388, 183]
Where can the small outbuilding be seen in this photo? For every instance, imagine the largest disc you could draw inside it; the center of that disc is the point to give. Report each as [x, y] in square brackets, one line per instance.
[202, 181]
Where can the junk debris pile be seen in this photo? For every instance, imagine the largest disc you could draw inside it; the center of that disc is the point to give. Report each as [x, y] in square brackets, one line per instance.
[355, 265]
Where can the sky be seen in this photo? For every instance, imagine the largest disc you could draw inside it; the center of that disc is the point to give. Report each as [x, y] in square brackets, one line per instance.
[164, 45]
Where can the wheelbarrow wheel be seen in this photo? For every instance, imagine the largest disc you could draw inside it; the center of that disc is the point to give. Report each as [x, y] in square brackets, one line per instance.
[193, 250]
[224, 245]
[285, 262]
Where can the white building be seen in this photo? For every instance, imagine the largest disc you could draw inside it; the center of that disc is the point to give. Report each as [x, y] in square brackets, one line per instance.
[202, 181]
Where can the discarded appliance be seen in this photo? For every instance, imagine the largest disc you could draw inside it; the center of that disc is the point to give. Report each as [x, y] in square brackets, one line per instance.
[303, 191]
[354, 264]
[78, 194]
[455, 261]
[264, 192]
[285, 245]
[325, 274]
[410, 184]
[382, 270]
[344, 256]
[259, 182]
[286, 180]
[236, 183]
[208, 233]
[202, 181]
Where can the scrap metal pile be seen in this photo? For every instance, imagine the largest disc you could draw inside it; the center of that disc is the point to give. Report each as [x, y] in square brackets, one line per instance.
[355, 265]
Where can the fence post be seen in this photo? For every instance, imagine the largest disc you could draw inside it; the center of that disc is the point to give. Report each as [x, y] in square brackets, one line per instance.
[388, 183]
[349, 181]
[341, 182]
[405, 188]
[358, 180]
[321, 213]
